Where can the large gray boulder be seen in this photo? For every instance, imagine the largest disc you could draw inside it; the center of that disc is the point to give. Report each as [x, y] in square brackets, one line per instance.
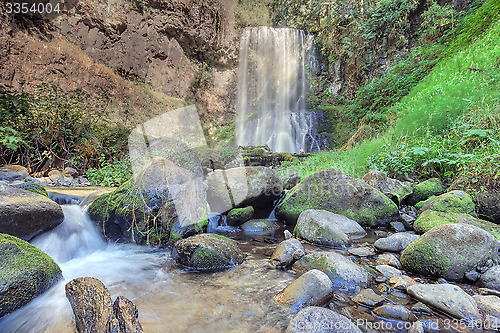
[25, 214]
[311, 288]
[344, 273]
[25, 272]
[314, 319]
[242, 186]
[12, 173]
[450, 251]
[290, 180]
[325, 228]
[447, 298]
[164, 202]
[396, 190]
[208, 252]
[338, 193]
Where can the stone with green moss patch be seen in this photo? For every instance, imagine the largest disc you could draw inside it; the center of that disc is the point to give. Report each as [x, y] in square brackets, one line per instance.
[338, 193]
[238, 216]
[32, 187]
[426, 189]
[451, 202]
[208, 252]
[25, 272]
[450, 251]
[344, 274]
[431, 218]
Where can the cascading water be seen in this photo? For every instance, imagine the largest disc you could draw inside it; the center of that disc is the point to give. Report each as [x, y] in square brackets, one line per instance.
[272, 89]
[169, 298]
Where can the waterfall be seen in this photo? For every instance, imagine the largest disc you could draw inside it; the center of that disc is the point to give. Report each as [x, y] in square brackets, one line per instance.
[272, 89]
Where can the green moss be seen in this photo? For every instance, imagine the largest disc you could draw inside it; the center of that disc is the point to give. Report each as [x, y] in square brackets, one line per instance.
[237, 216]
[452, 202]
[32, 187]
[25, 272]
[426, 189]
[431, 218]
[419, 204]
[423, 257]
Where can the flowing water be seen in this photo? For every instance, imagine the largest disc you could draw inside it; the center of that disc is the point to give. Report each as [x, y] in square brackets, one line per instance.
[169, 298]
[272, 89]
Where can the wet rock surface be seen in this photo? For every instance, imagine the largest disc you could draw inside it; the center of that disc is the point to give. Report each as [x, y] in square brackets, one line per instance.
[311, 288]
[287, 252]
[208, 252]
[325, 228]
[344, 273]
[25, 214]
[320, 320]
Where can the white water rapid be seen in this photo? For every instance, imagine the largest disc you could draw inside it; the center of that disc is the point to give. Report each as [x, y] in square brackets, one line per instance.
[272, 89]
[169, 298]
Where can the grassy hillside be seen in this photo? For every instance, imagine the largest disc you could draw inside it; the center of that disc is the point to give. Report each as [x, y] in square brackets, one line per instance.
[448, 124]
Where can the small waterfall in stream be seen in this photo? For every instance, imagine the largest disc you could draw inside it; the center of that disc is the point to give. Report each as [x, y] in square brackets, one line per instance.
[272, 90]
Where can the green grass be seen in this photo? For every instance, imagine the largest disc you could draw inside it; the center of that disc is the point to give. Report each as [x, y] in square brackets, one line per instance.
[452, 115]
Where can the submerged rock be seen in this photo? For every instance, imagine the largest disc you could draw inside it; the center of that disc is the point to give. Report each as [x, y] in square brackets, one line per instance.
[395, 312]
[260, 227]
[325, 228]
[311, 288]
[25, 272]
[208, 252]
[320, 320]
[287, 252]
[238, 216]
[451, 202]
[396, 242]
[425, 190]
[368, 297]
[243, 186]
[431, 218]
[344, 273]
[447, 298]
[25, 214]
[338, 193]
[394, 189]
[450, 251]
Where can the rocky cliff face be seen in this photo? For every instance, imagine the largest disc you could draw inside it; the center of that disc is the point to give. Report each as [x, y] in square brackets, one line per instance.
[148, 56]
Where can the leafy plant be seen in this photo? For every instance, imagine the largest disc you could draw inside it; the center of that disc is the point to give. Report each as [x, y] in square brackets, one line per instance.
[115, 173]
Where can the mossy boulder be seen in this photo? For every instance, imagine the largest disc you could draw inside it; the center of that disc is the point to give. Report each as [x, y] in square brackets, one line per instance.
[243, 186]
[431, 218]
[338, 193]
[238, 216]
[25, 272]
[344, 274]
[426, 189]
[145, 210]
[260, 227]
[394, 189]
[450, 251]
[25, 214]
[325, 228]
[451, 202]
[32, 187]
[208, 252]
[290, 180]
